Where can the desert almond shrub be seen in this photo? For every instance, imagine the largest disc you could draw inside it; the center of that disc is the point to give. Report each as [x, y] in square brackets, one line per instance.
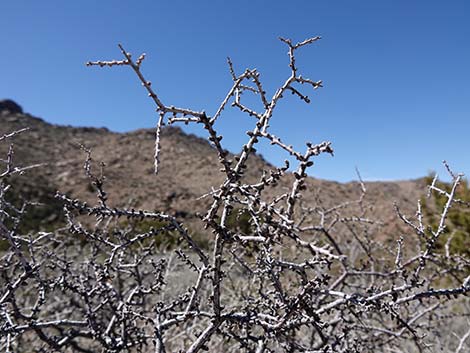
[276, 275]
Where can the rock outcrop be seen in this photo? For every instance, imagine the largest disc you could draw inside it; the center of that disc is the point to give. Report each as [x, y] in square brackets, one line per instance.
[10, 106]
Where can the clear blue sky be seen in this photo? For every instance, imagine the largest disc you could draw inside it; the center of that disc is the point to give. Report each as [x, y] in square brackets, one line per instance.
[396, 96]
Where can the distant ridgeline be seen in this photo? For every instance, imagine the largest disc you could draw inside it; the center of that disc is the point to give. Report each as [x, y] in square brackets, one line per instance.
[190, 167]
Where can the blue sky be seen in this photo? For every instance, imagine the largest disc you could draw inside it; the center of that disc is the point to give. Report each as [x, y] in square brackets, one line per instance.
[396, 96]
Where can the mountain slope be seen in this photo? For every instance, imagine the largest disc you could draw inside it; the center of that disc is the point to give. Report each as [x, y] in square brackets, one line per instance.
[189, 169]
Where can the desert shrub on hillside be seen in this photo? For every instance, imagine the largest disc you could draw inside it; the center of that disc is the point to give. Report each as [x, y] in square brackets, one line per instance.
[277, 275]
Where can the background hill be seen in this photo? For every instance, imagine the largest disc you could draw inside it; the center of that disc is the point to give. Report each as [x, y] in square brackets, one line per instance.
[189, 169]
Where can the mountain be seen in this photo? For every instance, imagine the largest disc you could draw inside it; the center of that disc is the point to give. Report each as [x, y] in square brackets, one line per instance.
[188, 170]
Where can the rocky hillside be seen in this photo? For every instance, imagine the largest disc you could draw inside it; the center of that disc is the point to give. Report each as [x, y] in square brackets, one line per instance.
[189, 169]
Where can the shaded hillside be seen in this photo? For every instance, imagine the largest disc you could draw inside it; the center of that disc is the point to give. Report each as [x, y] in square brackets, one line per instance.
[189, 169]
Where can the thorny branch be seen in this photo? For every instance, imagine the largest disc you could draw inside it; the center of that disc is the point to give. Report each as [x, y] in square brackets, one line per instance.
[302, 279]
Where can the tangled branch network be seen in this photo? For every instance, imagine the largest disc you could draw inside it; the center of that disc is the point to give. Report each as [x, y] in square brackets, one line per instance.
[298, 278]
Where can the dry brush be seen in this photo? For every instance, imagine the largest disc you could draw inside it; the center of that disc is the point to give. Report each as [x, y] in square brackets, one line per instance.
[291, 278]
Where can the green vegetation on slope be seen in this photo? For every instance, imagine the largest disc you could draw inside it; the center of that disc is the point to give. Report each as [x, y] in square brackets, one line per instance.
[458, 225]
